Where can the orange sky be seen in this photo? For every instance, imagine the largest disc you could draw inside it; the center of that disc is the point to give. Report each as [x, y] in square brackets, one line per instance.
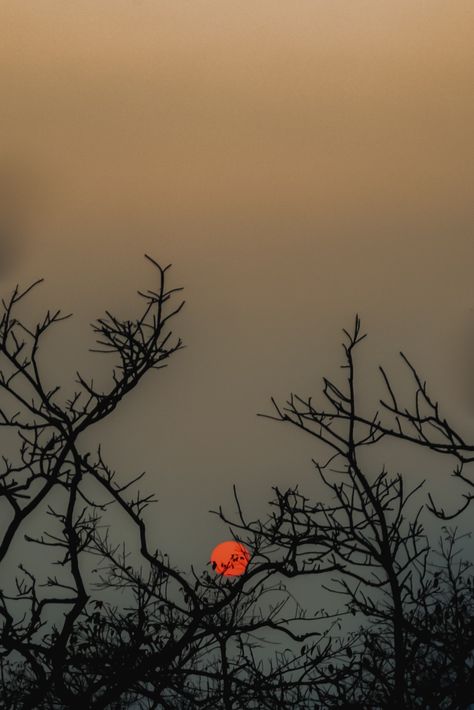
[297, 161]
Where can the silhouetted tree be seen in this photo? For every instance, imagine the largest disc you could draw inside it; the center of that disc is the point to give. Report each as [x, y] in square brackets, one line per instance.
[414, 603]
[68, 639]
[117, 625]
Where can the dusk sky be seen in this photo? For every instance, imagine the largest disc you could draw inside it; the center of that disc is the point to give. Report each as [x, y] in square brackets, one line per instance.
[297, 162]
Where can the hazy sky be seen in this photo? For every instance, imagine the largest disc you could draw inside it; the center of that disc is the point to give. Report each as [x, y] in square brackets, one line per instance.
[297, 161]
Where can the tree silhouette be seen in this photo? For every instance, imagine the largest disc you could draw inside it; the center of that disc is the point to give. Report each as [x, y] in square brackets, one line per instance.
[117, 625]
[415, 646]
[66, 640]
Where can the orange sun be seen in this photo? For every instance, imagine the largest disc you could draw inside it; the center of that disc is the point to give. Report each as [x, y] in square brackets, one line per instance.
[230, 558]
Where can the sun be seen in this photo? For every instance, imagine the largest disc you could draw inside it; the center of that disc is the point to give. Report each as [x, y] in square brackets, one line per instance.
[230, 558]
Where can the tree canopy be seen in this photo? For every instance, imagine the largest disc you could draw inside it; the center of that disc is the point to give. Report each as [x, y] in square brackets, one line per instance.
[112, 623]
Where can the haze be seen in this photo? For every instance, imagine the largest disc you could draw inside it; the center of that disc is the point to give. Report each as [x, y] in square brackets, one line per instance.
[296, 161]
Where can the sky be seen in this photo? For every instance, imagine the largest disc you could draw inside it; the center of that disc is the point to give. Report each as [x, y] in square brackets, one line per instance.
[297, 162]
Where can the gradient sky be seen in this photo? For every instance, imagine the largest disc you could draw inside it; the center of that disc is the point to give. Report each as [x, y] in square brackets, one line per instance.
[296, 161]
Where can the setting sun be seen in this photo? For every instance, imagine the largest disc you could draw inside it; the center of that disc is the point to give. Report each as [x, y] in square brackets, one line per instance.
[230, 558]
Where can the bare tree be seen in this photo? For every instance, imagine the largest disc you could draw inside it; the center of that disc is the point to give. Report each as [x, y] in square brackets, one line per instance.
[117, 625]
[414, 603]
[67, 639]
